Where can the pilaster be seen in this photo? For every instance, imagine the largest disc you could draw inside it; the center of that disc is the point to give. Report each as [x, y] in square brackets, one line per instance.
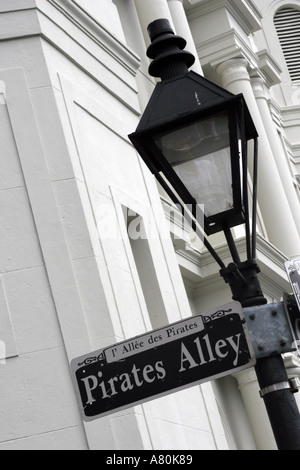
[255, 409]
[276, 145]
[257, 414]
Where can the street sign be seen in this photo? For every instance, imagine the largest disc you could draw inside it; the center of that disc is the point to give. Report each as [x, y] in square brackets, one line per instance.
[293, 317]
[180, 355]
[293, 271]
[292, 302]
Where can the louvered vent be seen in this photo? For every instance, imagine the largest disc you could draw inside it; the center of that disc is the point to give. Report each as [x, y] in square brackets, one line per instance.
[287, 24]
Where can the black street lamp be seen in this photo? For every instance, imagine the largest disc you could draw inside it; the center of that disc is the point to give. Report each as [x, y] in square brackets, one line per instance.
[193, 136]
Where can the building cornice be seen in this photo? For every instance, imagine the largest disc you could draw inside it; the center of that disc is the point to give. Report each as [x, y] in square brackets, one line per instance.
[244, 12]
[290, 115]
[224, 47]
[269, 68]
[201, 269]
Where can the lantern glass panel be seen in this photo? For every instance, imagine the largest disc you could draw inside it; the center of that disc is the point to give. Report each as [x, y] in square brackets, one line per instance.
[200, 155]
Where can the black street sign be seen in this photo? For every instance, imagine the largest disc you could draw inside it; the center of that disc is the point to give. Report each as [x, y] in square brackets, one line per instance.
[166, 360]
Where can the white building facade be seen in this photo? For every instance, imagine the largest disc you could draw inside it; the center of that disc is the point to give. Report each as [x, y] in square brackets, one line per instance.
[91, 252]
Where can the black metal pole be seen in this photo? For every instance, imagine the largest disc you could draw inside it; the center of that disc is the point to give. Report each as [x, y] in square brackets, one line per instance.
[280, 402]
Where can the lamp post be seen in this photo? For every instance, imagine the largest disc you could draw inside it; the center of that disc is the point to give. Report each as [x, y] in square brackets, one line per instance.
[193, 136]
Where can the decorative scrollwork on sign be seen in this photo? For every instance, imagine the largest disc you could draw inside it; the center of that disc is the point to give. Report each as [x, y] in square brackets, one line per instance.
[214, 316]
[220, 313]
[90, 360]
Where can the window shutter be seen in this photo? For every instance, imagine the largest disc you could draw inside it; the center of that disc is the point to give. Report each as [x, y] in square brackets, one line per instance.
[287, 24]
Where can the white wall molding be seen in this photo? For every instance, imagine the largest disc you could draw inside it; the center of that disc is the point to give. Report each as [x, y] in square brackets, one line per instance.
[93, 30]
[19, 24]
[81, 39]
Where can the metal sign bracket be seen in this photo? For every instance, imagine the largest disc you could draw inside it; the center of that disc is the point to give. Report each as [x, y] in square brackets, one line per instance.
[269, 330]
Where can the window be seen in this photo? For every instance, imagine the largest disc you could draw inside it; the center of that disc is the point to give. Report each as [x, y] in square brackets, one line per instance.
[146, 271]
[287, 24]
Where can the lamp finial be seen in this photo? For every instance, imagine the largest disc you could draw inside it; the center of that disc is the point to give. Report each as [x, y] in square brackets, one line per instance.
[166, 50]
